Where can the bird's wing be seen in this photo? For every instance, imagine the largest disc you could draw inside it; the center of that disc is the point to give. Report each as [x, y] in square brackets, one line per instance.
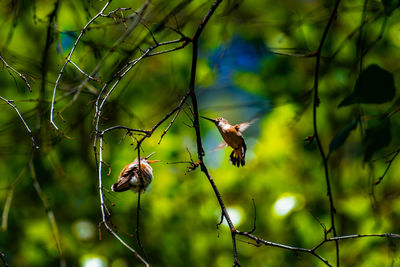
[241, 127]
[127, 171]
[220, 146]
[122, 185]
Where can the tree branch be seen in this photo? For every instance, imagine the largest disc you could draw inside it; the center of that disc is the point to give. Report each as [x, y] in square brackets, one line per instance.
[316, 103]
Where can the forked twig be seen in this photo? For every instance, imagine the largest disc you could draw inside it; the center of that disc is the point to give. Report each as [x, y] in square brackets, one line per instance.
[22, 76]
[10, 102]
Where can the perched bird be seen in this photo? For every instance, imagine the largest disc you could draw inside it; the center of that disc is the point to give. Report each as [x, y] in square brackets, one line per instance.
[129, 176]
[232, 135]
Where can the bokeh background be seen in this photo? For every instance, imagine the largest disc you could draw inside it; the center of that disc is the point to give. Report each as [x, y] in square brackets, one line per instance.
[253, 63]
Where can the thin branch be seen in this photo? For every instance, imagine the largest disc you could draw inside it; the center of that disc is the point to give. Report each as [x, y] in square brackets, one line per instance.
[22, 76]
[110, 51]
[104, 211]
[273, 244]
[10, 195]
[138, 226]
[115, 11]
[387, 167]
[200, 149]
[316, 102]
[125, 128]
[312, 250]
[84, 73]
[49, 211]
[3, 259]
[68, 59]
[9, 102]
[388, 235]
[255, 217]
[169, 125]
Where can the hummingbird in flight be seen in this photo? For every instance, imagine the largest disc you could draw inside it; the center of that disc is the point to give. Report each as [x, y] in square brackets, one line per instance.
[232, 135]
[134, 178]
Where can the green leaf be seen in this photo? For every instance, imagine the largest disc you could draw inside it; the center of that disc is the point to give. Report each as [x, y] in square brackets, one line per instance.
[374, 86]
[390, 5]
[341, 137]
[376, 137]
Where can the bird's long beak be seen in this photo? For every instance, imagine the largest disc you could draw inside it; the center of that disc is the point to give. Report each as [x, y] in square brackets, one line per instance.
[151, 154]
[152, 161]
[208, 119]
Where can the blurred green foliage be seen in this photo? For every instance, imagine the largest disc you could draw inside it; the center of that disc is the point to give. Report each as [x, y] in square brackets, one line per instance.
[253, 62]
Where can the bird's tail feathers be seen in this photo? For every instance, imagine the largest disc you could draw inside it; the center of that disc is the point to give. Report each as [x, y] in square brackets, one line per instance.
[237, 156]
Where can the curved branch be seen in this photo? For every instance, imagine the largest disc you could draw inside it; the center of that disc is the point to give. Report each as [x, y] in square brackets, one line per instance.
[316, 103]
[104, 211]
[9, 102]
[200, 149]
[22, 76]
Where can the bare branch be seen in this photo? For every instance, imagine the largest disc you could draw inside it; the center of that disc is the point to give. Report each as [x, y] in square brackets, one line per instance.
[389, 163]
[9, 102]
[3, 259]
[68, 59]
[316, 103]
[138, 226]
[169, 125]
[50, 214]
[84, 73]
[22, 76]
[104, 211]
[10, 195]
[200, 149]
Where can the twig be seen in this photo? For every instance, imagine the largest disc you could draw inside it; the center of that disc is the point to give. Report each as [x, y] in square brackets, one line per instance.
[273, 244]
[109, 52]
[389, 235]
[49, 211]
[200, 149]
[7, 205]
[125, 128]
[387, 167]
[103, 207]
[9, 102]
[3, 259]
[84, 73]
[138, 227]
[311, 251]
[255, 217]
[22, 76]
[68, 59]
[169, 125]
[316, 102]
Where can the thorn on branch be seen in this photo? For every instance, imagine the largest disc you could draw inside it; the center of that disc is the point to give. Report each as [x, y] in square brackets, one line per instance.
[108, 166]
[193, 165]
[190, 126]
[389, 163]
[61, 117]
[257, 244]
[99, 229]
[26, 82]
[255, 217]
[170, 124]
[312, 54]
[3, 259]
[317, 102]
[309, 139]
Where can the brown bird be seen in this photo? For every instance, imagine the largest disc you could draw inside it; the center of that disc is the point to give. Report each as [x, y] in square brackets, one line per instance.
[232, 135]
[129, 176]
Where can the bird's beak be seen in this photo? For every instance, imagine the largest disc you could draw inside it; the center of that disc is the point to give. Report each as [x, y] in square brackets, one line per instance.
[152, 161]
[151, 154]
[208, 119]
